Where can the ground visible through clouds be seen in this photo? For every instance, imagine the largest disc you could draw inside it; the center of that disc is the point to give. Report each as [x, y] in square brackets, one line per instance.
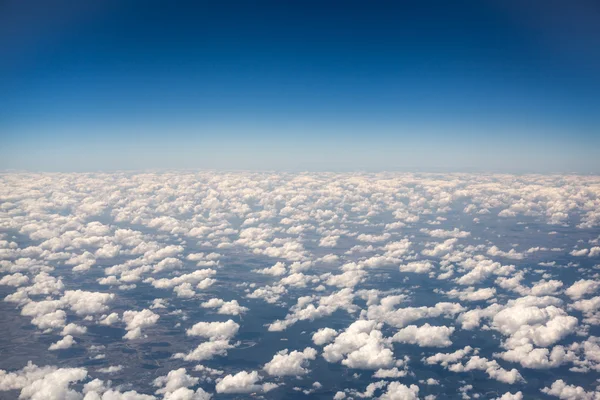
[198, 285]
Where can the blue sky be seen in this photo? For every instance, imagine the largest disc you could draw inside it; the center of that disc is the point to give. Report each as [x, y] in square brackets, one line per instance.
[334, 85]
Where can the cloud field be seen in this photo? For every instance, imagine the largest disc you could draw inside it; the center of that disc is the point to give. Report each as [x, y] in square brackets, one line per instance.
[202, 285]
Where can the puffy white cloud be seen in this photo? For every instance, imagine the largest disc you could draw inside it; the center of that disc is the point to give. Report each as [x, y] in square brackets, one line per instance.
[225, 307]
[481, 268]
[43, 382]
[324, 336]
[440, 249]
[387, 312]
[52, 320]
[73, 329]
[445, 359]
[511, 396]
[65, 343]
[537, 358]
[512, 253]
[187, 394]
[419, 267]
[207, 350]
[17, 279]
[270, 294]
[110, 319]
[184, 290]
[425, 335]
[292, 363]
[278, 269]
[347, 279]
[362, 346]
[582, 288]
[174, 380]
[562, 390]
[136, 320]
[472, 294]
[363, 237]
[490, 367]
[590, 309]
[329, 241]
[87, 303]
[579, 253]
[214, 330]
[191, 278]
[243, 382]
[167, 264]
[442, 234]
[398, 391]
[306, 310]
[540, 326]
[390, 373]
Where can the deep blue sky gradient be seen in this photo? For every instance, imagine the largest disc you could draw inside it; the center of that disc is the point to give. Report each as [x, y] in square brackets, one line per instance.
[431, 85]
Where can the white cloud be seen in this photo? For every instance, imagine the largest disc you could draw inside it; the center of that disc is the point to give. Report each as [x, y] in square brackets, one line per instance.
[362, 346]
[73, 329]
[562, 390]
[87, 303]
[581, 288]
[425, 335]
[243, 382]
[47, 382]
[511, 396]
[136, 320]
[419, 267]
[17, 279]
[225, 307]
[398, 391]
[471, 294]
[292, 363]
[110, 319]
[214, 330]
[173, 381]
[579, 253]
[64, 343]
[206, 350]
[324, 336]
[278, 269]
[306, 310]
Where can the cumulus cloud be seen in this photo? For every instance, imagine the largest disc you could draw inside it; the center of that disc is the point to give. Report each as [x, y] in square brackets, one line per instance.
[63, 343]
[290, 363]
[425, 335]
[243, 382]
[582, 288]
[277, 269]
[225, 307]
[306, 310]
[324, 336]
[562, 390]
[362, 346]
[214, 330]
[136, 320]
[86, 303]
[47, 382]
[175, 386]
[398, 391]
[419, 267]
[207, 350]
